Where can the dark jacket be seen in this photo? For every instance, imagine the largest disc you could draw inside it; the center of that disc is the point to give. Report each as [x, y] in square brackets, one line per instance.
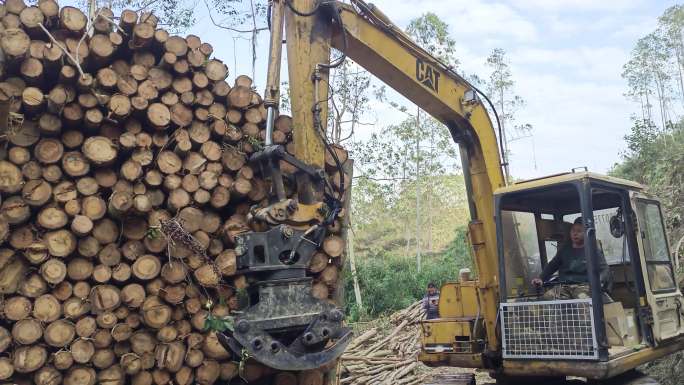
[571, 265]
[431, 309]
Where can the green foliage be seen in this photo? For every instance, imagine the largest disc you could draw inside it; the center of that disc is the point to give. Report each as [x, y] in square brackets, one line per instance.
[655, 69]
[500, 86]
[655, 158]
[389, 282]
[432, 33]
[176, 15]
[218, 324]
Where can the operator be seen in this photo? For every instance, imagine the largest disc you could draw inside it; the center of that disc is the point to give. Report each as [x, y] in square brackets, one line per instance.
[431, 302]
[571, 265]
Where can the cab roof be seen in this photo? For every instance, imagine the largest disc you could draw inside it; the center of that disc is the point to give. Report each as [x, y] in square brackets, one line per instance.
[555, 179]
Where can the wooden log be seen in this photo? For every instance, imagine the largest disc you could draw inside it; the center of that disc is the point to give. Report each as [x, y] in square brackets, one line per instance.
[333, 246]
[20, 238]
[36, 192]
[81, 225]
[48, 151]
[31, 170]
[194, 162]
[103, 358]
[12, 180]
[199, 133]
[80, 375]
[180, 115]
[104, 298]
[53, 271]
[158, 115]
[143, 33]
[82, 350]
[156, 314]
[330, 275]
[15, 211]
[127, 20]
[133, 295]
[82, 290]
[26, 136]
[220, 90]
[59, 333]
[80, 269]
[319, 261]
[146, 267]
[101, 23]
[47, 375]
[31, 18]
[15, 45]
[28, 359]
[33, 286]
[226, 262]
[112, 375]
[215, 70]
[75, 164]
[31, 70]
[15, 309]
[106, 231]
[62, 359]
[232, 159]
[86, 327]
[50, 10]
[320, 290]
[33, 100]
[240, 97]
[119, 107]
[49, 124]
[196, 59]
[52, 218]
[208, 372]
[72, 20]
[99, 150]
[87, 186]
[60, 243]
[63, 290]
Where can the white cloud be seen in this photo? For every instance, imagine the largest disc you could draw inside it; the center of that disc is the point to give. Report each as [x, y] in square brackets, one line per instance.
[578, 5]
[596, 63]
[476, 19]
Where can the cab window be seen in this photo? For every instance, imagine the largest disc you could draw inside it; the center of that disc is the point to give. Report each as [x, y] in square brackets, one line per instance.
[521, 251]
[614, 249]
[656, 250]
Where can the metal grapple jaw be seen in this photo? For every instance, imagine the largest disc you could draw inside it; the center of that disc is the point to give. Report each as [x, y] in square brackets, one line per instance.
[286, 328]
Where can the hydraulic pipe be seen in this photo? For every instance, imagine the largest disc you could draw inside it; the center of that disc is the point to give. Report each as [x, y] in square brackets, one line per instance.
[272, 93]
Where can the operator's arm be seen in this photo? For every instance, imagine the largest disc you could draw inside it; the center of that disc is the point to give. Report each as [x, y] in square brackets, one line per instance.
[552, 266]
[604, 271]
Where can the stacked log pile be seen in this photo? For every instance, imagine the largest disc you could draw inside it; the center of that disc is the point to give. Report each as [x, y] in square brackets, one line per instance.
[386, 356]
[119, 135]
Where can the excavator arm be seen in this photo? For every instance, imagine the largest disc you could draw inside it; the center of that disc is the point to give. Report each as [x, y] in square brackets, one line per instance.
[384, 50]
[288, 328]
[362, 33]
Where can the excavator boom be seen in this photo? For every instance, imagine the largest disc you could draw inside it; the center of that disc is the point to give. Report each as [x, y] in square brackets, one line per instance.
[362, 33]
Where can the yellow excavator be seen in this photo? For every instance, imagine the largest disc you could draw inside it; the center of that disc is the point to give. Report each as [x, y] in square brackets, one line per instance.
[499, 322]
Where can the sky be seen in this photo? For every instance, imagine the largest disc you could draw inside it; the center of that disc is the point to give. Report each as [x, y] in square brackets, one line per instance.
[566, 57]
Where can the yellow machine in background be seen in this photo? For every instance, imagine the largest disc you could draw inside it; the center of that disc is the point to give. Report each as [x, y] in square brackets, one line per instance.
[497, 321]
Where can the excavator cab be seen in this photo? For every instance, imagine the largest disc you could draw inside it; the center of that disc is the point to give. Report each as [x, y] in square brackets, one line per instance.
[637, 307]
[632, 317]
